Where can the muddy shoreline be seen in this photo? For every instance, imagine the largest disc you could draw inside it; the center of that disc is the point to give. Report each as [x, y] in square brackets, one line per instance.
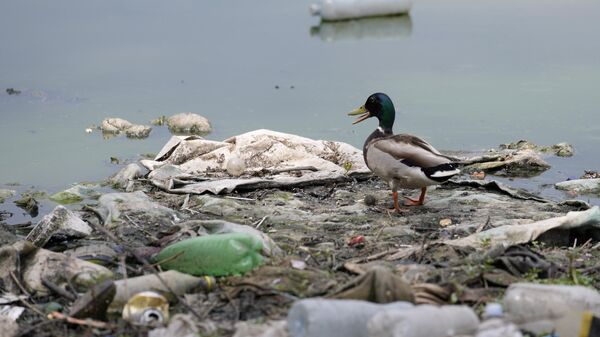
[327, 234]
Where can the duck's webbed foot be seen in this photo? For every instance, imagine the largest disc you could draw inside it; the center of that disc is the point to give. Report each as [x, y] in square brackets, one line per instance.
[416, 202]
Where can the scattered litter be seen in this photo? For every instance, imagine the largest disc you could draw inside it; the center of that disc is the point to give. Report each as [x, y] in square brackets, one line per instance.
[176, 282]
[378, 285]
[509, 235]
[147, 308]
[316, 317]
[272, 159]
[94, 303]
[425, 320]
[222, 254]
[61, 223]
[355, 241]
[537, 307]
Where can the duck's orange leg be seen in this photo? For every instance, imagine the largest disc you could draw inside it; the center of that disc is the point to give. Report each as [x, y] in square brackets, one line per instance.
[396, 208]
[417, 202]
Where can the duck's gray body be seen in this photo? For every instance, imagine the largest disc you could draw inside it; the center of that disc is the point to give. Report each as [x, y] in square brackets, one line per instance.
[406, 161]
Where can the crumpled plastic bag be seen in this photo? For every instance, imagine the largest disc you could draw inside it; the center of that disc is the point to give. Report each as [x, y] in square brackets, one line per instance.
[378, 285]
[263, 159]
[509, 235]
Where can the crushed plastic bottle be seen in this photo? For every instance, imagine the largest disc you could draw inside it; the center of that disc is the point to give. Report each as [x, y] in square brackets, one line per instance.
[147, 308]
[179, 283]
[537, 307]
[317, 317]
[213, 255]
[332, 10]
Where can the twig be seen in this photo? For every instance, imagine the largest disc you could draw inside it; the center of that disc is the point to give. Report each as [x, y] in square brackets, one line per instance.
[18, 283]
[25, 303]
[299, 168]
[26, 332]
[148, 266]
[60, 291]
[261, 221]
[87, 322]
[482, 226]
[239, 198]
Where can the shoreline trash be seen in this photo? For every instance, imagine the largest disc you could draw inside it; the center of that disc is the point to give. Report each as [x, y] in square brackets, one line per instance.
[331, 10]
[537, 307]
[213, 255]
[61, 222]
[316, 317]
[147, 308]
[450, 320]
[177, 282]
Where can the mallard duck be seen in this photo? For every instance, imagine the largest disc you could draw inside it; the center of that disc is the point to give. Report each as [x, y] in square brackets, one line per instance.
[403, 160]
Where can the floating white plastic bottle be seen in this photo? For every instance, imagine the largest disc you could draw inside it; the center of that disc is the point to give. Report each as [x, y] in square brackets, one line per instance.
[331, 10]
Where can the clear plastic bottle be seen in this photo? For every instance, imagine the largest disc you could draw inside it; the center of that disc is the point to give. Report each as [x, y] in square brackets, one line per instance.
[319, 317]
[537, 307]
[425, 320]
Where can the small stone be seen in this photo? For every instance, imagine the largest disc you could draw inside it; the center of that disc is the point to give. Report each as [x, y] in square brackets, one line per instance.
[370, 200]
[189, 123]
[580, 185]
[298, 264]
[138, 131]
[445, 222]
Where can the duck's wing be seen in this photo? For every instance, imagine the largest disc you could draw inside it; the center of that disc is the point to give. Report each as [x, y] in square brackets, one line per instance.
[410, 150]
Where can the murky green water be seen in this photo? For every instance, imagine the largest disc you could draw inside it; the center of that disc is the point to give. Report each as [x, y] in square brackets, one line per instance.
[464, 74]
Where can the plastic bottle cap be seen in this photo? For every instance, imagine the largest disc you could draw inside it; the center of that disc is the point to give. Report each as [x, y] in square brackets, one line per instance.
[493, 310]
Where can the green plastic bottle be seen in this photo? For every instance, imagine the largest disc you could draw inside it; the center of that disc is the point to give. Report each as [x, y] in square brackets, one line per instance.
[214, 255]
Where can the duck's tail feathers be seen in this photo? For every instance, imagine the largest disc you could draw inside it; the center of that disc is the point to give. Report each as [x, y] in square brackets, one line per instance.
[442, 172]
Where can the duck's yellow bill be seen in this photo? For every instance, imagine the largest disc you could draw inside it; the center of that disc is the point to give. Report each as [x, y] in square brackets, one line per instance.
[360, 111]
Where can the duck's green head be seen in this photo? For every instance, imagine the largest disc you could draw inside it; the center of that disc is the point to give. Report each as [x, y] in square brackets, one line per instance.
[378, 105]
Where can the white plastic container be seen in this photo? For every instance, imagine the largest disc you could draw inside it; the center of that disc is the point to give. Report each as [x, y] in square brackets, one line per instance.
[331, 10]
[318, 317]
